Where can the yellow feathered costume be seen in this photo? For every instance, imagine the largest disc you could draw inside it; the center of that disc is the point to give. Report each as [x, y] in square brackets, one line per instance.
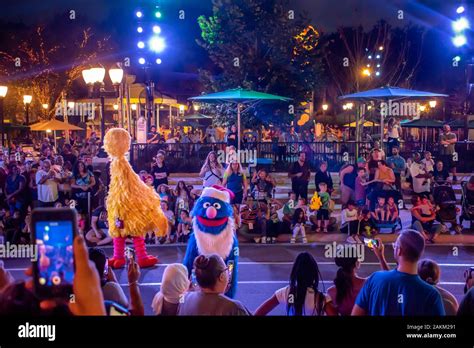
[133, 207]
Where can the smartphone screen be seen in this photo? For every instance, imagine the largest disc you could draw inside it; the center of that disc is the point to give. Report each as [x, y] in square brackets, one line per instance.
[54, 232]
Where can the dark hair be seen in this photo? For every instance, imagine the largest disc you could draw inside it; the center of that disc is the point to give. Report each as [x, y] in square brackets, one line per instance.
[350, 202]
[76, 167]
[343, 280]
[299, 153]
[414, 199]
[207, 270]
[184, 211]
[16, 299]
[383, 162]
[296, 215]
[365, 211]
[412, 245]
[304, 274]
[429, 271]
[99, 258]
[291, 193]
[361, 168]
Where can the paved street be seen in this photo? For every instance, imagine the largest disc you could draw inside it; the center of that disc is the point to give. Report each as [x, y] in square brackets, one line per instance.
[265, 268]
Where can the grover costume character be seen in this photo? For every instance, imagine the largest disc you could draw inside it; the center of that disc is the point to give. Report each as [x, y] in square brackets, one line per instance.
[133, 207]
[214, 231]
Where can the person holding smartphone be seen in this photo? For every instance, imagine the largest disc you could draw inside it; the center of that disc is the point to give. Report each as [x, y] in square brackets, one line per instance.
[47, 183]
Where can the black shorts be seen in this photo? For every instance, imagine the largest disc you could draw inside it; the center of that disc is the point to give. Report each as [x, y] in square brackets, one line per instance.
[322, 214]
[238, 197]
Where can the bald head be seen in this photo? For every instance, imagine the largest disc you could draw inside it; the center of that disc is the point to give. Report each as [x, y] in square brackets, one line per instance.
[411, 244]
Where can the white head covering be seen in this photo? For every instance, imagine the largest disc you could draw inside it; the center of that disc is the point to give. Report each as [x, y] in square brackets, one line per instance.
[174, 284]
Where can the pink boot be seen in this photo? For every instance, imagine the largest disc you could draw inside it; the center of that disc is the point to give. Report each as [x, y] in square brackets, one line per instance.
[143, 259]
[118, 260]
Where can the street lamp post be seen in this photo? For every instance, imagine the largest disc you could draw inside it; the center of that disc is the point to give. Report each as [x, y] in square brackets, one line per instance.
[27, 101]
[3, 93]
[94, 78]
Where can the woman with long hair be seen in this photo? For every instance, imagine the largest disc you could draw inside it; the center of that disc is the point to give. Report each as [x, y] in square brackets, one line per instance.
[236, 181]
[211, 171]
[183, 200]
[302, 296]
[393, 132]
[347, 285]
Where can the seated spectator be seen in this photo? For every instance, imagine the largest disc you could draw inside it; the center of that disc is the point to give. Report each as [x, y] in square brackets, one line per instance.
[171, 221]
[273, 223]
[298, 227]
[99, 232]
[174, 285]
[185, 226]
[423, 218]
[440, 173]
[367, 226]
[398, 165]
[164, 192]
[212, 276]
[253, 215]
[430, 272]
[420, 177]
[350, 222]
[322, 175]
[400, 291]
[392, 210]
[384, 177]
[380, 210]
[470, 190]
[302, 296]
[288, 211]
[263, 185]
[146, 178]
[110, 287]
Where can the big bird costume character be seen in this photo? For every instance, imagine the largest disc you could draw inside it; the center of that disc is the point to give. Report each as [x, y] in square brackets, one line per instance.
[133, 207]
[214, 231]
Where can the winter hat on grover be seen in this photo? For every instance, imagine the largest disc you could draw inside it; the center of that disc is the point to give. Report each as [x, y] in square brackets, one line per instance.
[218, 192]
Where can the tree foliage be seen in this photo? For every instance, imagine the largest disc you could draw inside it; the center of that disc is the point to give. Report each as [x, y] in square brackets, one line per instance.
[44, 61]
[260, 45]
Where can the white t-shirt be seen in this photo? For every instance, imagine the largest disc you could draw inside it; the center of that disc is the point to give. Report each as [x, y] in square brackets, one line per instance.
[48, 191]
[429, 164]
[419, 184]
[394, 132]
[309, 300]
[349, 215]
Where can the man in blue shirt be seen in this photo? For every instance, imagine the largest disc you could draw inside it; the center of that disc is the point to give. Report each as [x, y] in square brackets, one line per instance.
[400, 291]
[398, 164]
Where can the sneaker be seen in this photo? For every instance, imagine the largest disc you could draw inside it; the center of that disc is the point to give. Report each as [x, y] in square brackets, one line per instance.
[305, 240]
[264, 240]
[292, 240]
[257, 240]
[351, 240]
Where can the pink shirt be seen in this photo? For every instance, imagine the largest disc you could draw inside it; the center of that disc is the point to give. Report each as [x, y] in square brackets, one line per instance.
[345, 307]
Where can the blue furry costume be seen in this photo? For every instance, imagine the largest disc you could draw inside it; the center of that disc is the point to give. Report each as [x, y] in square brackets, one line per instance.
[213, 231]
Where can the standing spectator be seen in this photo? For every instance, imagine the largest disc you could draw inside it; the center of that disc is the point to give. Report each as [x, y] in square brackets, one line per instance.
[14, 186]
[447, 142]
[232, 138]
[322, 175]
[210, 134]
[212, 276]
[302, 296]
[420, 177]
[394, 132]
[398, 165]
[300, 173]
[159, 170]
[82, 183]
[68, 156]
[428, 162]
[400, 291]
[347, 177]
[430, 272]
[360, 191]
[153, 136]
[323, 211]
[236, 181]
[211, 171]
[174, 285]
[47, 185]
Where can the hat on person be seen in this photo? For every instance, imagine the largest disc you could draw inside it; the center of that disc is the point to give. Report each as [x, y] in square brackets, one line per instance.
[361, 160]
[174, 284]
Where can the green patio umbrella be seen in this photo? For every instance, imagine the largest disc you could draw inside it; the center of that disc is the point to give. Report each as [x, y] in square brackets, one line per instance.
[422, 123]
[241, 97]
[196, 117]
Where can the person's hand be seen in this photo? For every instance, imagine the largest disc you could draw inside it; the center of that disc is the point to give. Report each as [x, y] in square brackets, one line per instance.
[299, 175]
[5, 277]
[379, 251]
[111, 275]
[97, 235]
[133, 271]
[88, 297]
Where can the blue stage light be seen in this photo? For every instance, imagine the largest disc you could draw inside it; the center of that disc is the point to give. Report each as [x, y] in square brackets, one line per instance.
[459, 40]
[460, 24]
[139, 14]
[141, 61]
[141, 44]
[156, 44]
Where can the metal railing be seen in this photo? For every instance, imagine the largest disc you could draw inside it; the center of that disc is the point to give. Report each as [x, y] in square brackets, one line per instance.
[275, 156]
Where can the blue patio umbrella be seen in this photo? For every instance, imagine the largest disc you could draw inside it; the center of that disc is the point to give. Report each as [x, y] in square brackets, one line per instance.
[240, 97]
[387, 93]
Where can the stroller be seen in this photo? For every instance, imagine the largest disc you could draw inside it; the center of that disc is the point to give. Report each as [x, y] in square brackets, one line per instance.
[445, 199]
[467, 212]
[397, 197]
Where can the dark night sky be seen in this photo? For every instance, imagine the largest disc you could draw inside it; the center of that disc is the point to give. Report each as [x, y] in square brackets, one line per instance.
[184, 55]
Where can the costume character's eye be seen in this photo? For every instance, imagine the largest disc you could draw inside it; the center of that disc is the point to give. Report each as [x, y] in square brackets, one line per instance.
[217, 205]
[206, 205]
